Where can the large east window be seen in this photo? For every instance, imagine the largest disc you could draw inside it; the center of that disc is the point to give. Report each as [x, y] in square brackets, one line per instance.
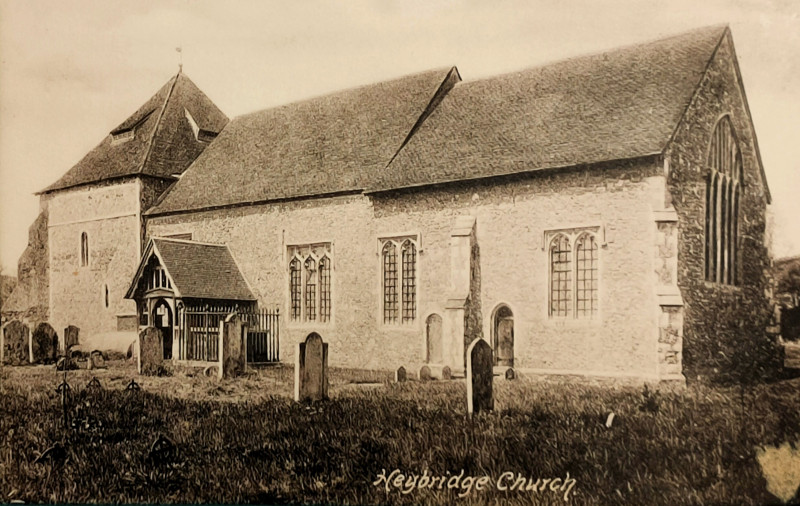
[310, 298]
[399, 279]
[574, 284]
[722, 205]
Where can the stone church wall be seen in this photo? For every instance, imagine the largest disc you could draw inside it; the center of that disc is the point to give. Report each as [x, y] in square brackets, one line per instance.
[512, 220]
[109, 215]
[722, 323]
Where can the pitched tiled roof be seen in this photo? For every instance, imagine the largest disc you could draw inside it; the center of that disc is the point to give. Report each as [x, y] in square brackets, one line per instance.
[163, 141]
[619, 104]
[198, 270]
[324, 145]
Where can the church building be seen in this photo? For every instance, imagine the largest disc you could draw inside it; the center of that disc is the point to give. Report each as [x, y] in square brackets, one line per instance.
[600, 216]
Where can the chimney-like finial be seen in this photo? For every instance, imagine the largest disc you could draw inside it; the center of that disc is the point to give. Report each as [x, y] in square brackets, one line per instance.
[179, 49]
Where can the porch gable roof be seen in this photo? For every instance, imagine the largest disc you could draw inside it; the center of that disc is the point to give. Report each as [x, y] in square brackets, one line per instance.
[196, 270]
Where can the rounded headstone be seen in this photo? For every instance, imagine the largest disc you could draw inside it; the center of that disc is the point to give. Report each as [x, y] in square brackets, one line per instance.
[44, 344]
[446, 373]
[400, 375]
[424, 373]
[510, 374]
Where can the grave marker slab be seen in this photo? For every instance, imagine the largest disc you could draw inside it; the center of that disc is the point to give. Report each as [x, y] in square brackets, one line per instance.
[510, 374]
[400, 375]
[311, 369]
[15, 343]
[479, 377]
[447, 373]
[425, 373]
[44, 345]
[233, 347]
[151, 351]
[97, 360]
[71, 336]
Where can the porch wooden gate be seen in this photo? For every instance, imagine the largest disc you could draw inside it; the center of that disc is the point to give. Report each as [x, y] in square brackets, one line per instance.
[198, 335]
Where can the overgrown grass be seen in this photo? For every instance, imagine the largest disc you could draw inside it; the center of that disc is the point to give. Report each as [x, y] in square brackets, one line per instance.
[691, 447]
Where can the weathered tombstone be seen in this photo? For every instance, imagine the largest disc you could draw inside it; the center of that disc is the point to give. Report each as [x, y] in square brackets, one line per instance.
[97, 360]
[510, 374]
[425, 373]
[447, 373]
[233, 347]
[400, 375]
[66, 364]
[15, 343]
[311, 369]
[479, 377]
[71, 337]
[44, 344]
[151, 351]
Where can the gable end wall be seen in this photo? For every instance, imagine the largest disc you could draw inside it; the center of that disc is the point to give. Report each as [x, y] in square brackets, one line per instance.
[723, 323]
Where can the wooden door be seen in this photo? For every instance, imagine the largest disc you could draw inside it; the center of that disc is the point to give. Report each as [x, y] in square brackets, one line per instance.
[504, 337]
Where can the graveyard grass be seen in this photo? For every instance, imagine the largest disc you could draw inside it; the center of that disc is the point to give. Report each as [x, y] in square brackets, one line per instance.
[236, 442]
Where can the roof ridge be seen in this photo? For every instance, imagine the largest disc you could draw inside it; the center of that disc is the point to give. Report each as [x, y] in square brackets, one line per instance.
[696, 88]
[188, 241]
[158, 123]
[610, 50]
[340, 91]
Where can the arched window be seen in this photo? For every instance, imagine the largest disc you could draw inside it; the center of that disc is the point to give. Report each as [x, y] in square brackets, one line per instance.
[399, 281]
[295, 288]
[574, 279]
[560, 276]
[586, 276]
[722, 205]
[310, 294]
[324, 289]
[84, 249]
[311, 289]
[409, 281]
[390, 282]
[105, 295]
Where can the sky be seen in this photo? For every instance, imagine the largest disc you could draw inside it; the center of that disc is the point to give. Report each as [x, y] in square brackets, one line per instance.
[71, 71]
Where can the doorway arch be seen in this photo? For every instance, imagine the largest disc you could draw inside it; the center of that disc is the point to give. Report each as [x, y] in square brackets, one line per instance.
[433, 339]
[503, 335]
[163, 320]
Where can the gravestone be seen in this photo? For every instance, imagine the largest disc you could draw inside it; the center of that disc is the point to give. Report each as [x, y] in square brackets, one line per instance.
[425, 373]
[311, 369]
[479, 377]
[97, 360]
[44, 345]
[447, 373]
[400, 375]
[510, 374]
[71, 337]
[233, 348]
[151, 351]
[15, 343]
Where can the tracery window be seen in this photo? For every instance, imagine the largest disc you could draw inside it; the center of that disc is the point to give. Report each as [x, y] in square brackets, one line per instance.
[399, 282]
[310, 298]
[722, 205]
[574, 285]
